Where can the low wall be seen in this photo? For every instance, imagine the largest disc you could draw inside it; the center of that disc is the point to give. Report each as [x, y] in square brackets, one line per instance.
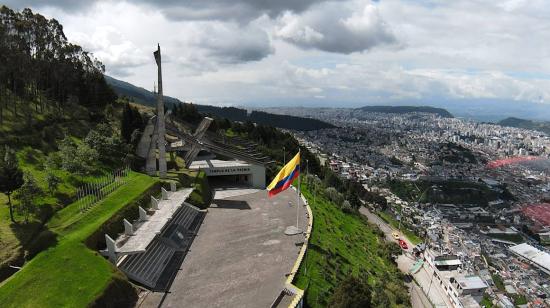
[289, 286]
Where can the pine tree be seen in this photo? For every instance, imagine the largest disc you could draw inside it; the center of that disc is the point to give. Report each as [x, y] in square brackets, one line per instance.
[126, 127]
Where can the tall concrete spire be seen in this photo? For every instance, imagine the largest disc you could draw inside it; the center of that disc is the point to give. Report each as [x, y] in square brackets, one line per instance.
[160, 118]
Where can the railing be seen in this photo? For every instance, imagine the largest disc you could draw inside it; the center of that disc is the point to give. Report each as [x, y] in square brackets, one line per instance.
[289, 286]
[90, 193]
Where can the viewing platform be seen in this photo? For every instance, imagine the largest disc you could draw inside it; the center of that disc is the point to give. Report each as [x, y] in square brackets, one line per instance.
[241, 256]
[152, 248]
[150, 226]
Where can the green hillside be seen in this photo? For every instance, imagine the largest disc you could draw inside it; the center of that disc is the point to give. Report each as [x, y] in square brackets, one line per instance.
[137, 94]
[70, 274]
[407, 109]
[145, 97]
[527, 124]
[61, 127]
[264, 118]
[343, 245]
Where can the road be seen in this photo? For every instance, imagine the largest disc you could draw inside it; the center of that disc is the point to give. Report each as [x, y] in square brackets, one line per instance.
[386, 228]
[405, 262]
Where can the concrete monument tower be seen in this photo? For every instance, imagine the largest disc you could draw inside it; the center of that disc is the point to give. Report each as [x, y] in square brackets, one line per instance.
[161, 143]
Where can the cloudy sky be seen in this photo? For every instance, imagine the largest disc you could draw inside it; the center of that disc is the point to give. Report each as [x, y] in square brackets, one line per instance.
[314, 52]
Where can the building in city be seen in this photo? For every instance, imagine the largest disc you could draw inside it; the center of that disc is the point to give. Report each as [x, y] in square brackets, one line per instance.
[536, 257]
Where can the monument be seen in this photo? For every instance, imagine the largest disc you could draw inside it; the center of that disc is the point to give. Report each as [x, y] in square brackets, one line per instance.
[153, 147]
[157, 137]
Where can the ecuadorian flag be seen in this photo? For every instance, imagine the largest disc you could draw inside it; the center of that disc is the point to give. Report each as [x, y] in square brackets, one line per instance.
[285, 177]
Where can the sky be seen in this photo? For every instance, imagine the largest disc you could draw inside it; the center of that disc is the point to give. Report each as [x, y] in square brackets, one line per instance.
[318, 53]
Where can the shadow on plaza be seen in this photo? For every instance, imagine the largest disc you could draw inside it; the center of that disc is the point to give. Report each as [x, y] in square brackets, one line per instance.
[231, 204]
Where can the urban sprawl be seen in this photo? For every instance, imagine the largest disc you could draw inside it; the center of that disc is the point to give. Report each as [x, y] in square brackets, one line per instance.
[474, 196]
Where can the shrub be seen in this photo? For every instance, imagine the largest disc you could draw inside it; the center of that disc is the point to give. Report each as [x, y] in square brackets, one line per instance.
[53, 161]
[346, 207]
[53, 181]
[352, 292]
[202, 194]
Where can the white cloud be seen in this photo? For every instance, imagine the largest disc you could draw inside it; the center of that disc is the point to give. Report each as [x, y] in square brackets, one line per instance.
[119, 54]
[336, 28]
[228, 42]
[347, 52]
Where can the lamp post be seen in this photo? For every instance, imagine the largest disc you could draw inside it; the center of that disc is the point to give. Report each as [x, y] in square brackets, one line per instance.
[284, 156]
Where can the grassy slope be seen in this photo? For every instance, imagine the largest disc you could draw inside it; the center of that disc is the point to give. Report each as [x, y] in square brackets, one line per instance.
[37, 140]
[70, 274]
[340, 244]
[9, 243]
[14, 237]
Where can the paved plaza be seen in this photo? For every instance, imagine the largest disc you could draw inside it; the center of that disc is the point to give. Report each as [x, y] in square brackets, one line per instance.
[240, 256]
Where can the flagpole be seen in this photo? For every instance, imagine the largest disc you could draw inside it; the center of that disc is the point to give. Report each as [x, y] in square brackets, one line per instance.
[299, 190]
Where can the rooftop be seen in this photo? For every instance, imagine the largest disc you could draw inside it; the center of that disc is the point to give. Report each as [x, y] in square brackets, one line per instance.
[216, 163]
[540, 258]
[471, 282]
[448, 262]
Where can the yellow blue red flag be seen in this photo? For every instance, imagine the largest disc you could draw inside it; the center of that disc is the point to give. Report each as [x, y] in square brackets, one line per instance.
[285, 177]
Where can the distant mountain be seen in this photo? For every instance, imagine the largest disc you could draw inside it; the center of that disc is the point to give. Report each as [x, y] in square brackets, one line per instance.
[480, 109]
[406, 109]
[138, 94]
[527, 124]
[265, 118]
[148, 98]
[487, 110]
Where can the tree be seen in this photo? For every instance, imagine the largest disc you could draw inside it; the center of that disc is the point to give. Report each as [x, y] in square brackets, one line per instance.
[108, 145]
[67, 151]
[346, 206]
[389, 292]
[130, 122]
[334, 195]
[53, 181]
[54, 161]
[352, 292]
[86, 158]
[78, 158]
[11, 177]
[126, 128]
[40, 65]
[390, 249]
[27, 195]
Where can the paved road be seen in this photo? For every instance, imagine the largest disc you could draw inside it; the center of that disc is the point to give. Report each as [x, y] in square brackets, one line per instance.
[405, 262]
[386, 228]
